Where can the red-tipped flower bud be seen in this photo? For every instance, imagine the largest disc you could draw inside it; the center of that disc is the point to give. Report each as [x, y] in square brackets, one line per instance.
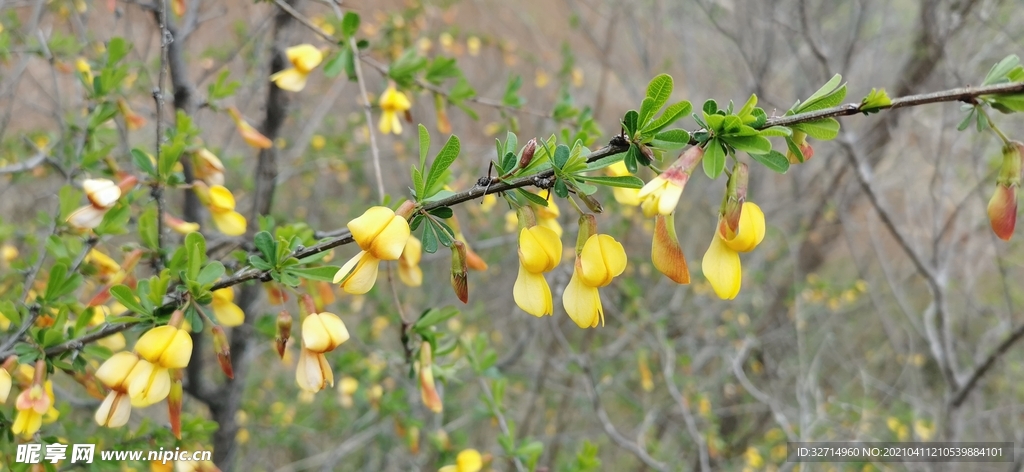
[174, 399]
[284, 331]
[527, 155]
[223, 350]
[460, 282]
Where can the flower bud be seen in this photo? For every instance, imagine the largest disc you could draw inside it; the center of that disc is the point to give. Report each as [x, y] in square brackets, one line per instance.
[591, 203]
[5, 385]
[174, 399]
[132, 120]
[428, 390]
[666, 254]
[460, 282]
[102, 193]
[284, 331]
[800, 139]
[527, 154]
[588, 228]
[223, 350]
[735, 195]
[249, 134]
[1002, 207]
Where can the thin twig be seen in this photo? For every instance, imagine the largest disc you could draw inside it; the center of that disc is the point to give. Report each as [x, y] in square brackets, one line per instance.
[961, 395]
[502, 423]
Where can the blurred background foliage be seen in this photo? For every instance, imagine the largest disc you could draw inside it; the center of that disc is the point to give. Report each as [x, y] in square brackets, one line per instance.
[827, 340]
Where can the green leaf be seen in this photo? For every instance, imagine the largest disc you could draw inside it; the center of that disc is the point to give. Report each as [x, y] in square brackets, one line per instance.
[646, 112]
[319, 274]
[671, 114]
[966, 121]
[714, 159]
[444, 159]
[441, 69]
[826, 89]
[776, 132]
[143, 162]
[221, 88]
[830, 100]
[773, 160]
[124, 295]
[117, 48]
[429, 239]
[267, 246]
[511, 97]
[605, 161]
[435, 316]
[210, 273]
[875, 100]
[671, 139]
[417, 182]
[1008, 103]
[336, 63]
[55, 281]
[533, 198]
[748, 108]
[749, 144]
[424, 145]
[625, 181]
[442, 212]
[101, 114]
[148, 228]
[561, 155]
[795, 150]
[259, 263]
[629, 122]
[824, 130]
[115, 221]
[350, 24]
[659, 90]
[195, 244]
[999, 71]
[403, 68]
[632, 158]
[710, 107]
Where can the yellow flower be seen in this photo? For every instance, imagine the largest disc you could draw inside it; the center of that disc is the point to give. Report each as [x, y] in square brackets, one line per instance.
[409, 263]
[104, 263]
[317, 142]
[666, 253]
[5, 385]
[313, 371]
[721, 263]
[392, 102]
[469, 460]
[381, 235]
[132, 120]
[166, 346]
[32, 404]
[322, 332]
[114, 373]
[251, 136]
[428, 390]
[148, 383]
[224, 308]
[115, 342]
[85, 69]
[540, 251]
[601, 259]
[304, 58]
[221, 204]
[179, 225]
[661, 195]
[102, 195]
[208, 167]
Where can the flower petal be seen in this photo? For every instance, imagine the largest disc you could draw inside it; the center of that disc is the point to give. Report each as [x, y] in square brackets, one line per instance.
[389, 244]
[305, 57]
[358, 274]
[721, 266]
[87, 217]
[367, 226]
[532, 293]
[750, 231]
[230, 223]
[290, 79]
[581, 302]
[601, 260]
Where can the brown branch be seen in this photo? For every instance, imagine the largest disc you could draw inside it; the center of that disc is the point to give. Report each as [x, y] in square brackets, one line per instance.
[982, 368]
[617, 145]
